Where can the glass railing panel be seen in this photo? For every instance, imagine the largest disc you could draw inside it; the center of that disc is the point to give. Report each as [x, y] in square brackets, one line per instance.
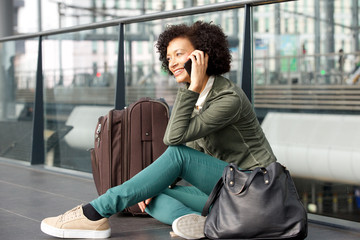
[144, 76]
[306, 95]
[18, 64]
[79, 86]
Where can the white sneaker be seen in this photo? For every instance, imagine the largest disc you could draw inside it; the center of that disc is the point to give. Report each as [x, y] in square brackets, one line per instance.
[190, 226]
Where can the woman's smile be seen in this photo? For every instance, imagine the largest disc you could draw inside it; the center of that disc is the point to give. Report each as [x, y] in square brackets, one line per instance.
[178, 51]
[177, 72]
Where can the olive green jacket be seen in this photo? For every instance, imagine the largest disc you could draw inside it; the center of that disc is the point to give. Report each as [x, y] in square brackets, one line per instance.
[226, 127]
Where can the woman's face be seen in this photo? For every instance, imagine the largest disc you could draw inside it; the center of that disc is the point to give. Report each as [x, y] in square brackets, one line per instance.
[177, 54]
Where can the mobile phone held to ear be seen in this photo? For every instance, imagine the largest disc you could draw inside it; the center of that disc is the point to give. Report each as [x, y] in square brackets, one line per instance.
[187, 66]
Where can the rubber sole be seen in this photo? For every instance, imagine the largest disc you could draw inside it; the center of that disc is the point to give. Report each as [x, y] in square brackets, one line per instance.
[189, 226]
[74, 233]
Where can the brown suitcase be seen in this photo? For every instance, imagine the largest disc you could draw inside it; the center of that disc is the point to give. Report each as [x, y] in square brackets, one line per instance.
[127, 141]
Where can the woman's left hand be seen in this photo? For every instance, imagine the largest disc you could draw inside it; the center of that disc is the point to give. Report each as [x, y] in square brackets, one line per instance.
[198, 70]
[142, 205]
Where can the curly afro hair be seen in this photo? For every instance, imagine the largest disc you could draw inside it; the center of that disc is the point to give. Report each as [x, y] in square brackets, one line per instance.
[206, 37]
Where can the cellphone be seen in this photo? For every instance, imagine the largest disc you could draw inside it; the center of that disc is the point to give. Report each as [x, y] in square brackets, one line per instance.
[187, 66]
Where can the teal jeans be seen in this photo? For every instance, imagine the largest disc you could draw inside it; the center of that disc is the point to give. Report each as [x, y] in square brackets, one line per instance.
[202, 171]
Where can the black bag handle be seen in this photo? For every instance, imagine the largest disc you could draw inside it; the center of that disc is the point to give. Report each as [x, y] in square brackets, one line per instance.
[216, 190]
[213, 195]
[252, 176]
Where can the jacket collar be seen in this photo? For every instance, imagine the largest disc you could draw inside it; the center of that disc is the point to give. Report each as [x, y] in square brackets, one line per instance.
[214, 91]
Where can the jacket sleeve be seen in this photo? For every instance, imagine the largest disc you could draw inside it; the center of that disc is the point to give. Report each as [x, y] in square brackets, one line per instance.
[194, 145]
[222, 110]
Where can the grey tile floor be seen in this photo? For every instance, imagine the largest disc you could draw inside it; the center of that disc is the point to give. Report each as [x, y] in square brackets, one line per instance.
[30, 193]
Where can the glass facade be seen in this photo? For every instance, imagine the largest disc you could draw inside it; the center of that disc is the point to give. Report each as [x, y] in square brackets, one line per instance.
[18, 63]
[305, 65]
[79, 72]
[306, 94]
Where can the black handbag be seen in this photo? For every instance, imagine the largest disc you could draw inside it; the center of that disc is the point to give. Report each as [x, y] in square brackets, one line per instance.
[258, 204]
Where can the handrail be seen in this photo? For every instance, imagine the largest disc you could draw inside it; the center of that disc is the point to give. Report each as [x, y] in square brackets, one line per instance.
[216, 7]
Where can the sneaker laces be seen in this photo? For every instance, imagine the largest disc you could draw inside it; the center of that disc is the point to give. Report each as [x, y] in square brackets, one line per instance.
[71, 214]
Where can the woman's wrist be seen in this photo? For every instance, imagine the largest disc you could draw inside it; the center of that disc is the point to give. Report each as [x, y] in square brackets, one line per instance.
[198, 86]
[195, 88]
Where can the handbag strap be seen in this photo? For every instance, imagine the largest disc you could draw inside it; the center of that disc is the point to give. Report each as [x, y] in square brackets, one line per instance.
[216, 190]
[213, 195]
[252, 176]
[249, 179]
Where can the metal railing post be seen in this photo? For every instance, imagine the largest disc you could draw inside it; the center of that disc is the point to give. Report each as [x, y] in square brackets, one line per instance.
[246, 80]
[37, 154]
[120, 78]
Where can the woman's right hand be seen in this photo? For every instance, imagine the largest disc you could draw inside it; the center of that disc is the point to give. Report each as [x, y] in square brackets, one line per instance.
[198, 70]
